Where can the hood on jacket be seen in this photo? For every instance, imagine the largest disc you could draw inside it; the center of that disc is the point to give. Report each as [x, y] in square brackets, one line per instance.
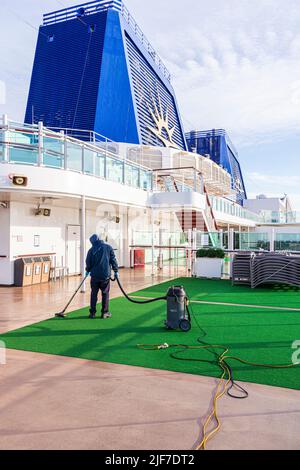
[95, 241]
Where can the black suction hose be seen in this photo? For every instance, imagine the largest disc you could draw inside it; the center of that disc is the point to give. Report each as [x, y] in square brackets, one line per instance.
[137, 301]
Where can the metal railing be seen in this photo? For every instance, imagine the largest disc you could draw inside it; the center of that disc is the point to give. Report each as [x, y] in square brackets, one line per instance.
[282, 217]
[38, 146]
[97, 6]
[146, 43]
[229, 207]
[211, 133]
[79, 11]
[210, 219]
[183, 179]
[89, 136]
[249, 241]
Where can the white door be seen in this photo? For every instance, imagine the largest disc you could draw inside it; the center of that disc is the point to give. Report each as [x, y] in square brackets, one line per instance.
[73, 249]
[111, 231]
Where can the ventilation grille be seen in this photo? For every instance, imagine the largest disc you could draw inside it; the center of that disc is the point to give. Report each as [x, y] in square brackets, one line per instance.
[237, 178]
[66, 73]
[150, 90]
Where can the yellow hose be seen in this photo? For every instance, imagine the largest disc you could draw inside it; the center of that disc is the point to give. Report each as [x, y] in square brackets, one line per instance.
[223, 384]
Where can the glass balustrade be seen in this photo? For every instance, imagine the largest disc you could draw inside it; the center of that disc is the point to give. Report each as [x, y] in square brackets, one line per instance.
[2, 145]
[74, 156]
[248, 241]
[226, 206]
[132, 176]
[26, 156]
[146, 180]
[114, 170]
[25, 144]
[89, 162]
[283, 217]
[287, 242]
[100, 165]
[53, 155]
[209, 240]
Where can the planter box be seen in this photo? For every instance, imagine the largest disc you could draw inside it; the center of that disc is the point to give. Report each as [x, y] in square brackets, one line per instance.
[208, 267]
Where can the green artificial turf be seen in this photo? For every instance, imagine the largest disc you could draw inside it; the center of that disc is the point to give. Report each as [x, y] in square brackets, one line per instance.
[222, 291]
[257, 335]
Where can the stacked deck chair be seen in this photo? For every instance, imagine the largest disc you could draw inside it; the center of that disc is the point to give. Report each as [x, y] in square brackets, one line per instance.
[241, 268]
[275, 268]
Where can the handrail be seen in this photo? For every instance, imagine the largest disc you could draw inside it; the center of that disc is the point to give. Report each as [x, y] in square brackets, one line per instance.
[80, 10]
[32, 147]
[97, 6]
[196, 134]
[192, 181]
[145, 41]
[234, 207]
[48, 133]
[82, 132]
[209, 213]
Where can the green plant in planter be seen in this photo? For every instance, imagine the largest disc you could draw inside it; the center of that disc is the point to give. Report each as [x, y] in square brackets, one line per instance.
[211, 253]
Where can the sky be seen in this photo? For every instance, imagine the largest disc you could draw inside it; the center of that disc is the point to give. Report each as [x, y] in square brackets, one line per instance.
[234, 65]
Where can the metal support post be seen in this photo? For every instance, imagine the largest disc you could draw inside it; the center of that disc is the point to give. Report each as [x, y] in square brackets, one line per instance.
[190, 250]
[152, 241]
[160, 257]
[64, 150]
[83, 239]
[221, 239]
[5, 138]
[272, 240]
[40, 143]
[231, 239]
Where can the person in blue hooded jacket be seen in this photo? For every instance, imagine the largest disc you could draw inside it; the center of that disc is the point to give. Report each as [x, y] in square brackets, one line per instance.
[100, 261]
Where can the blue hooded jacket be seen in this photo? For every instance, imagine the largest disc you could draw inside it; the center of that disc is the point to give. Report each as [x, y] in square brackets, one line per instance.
[100, 260]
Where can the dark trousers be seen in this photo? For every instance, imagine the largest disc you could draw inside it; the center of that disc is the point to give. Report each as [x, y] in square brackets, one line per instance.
[104, 286]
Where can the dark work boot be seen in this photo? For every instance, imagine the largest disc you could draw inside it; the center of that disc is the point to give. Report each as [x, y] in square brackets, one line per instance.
[92, 315]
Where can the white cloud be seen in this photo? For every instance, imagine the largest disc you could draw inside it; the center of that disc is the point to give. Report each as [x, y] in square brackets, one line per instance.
[271, 180]
[275, 186]
[235, 64]
[228, 88]
[2, 92]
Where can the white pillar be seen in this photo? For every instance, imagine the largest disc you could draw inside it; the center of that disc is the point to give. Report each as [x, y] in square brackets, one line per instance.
[94, 155]
[195, 180]
[153, 242]
[231, 239]
[83, 239]
[194, 247]
[160, 259]
[127, 239]
[64, 150]
[40, 144]
[194, 238]
[272, 240]
[190, 250]
[5, 137]
[82, 158]
[221, 238]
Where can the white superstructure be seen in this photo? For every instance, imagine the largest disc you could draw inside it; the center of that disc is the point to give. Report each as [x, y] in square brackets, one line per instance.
[131, 195]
